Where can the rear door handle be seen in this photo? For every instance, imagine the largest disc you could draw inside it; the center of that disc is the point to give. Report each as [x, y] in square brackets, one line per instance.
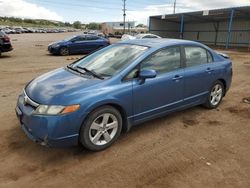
[177, 77]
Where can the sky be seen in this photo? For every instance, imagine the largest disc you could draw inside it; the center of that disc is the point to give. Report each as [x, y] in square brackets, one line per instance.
[106, 10]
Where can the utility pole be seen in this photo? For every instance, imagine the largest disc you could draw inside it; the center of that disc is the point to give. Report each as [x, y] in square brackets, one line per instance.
[174, 5]
[124, 15]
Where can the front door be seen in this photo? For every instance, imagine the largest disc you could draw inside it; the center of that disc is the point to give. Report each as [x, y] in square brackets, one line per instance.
[164, 93]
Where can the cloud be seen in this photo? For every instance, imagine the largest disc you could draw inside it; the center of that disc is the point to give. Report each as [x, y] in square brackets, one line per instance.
[23, 9]
[142, 15]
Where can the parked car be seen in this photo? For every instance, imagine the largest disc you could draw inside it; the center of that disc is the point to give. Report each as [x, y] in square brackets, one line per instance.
[5, 44]
[139, 36]
[93, 99]
[78, 44]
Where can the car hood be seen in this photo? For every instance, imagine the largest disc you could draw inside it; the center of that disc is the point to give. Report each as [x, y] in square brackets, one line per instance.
[57, 42]
[60, 87]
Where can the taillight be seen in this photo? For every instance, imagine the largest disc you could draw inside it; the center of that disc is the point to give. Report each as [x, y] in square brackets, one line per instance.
[6, 39]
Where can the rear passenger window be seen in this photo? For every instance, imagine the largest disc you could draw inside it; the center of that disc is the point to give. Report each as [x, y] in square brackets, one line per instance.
[80, 38]
[149, 36]
[92, 37]
[163, 61]
[196, 56]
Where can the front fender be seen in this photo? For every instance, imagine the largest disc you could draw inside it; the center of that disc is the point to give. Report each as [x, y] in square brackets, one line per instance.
[113, 102]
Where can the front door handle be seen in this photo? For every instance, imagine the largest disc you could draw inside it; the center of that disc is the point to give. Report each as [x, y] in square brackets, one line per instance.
[209, 70]
[177, 77]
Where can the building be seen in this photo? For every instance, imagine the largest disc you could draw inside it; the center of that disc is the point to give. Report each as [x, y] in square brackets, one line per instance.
[117, 28]
[229, 27]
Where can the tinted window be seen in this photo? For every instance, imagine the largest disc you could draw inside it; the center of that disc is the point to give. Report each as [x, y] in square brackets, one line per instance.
[163, 61]
[149, 36]
[195, 56]
[79, 38]
[92, 37]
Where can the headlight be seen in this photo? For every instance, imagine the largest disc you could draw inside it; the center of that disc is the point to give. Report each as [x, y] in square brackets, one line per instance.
[55, 109]
[55, 45]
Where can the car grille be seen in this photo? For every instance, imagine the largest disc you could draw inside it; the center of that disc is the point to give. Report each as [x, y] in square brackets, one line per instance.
[28, 101]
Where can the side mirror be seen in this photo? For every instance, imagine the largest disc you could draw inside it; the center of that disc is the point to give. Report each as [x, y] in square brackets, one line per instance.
[145, 74]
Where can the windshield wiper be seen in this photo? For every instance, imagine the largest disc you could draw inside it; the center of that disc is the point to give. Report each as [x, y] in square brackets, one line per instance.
[72, 68]
[93, 73]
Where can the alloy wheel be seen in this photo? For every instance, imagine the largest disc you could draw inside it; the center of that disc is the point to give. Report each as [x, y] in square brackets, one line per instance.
[103, 129]
[216, 94]
[64, 51]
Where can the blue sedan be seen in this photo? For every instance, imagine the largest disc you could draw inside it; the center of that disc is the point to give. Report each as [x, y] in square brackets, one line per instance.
[92, 100]
[78, 45]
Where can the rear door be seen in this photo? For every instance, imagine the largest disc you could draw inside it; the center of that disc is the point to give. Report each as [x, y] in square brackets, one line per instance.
[93, 43]
[198, 74]
[163, 93]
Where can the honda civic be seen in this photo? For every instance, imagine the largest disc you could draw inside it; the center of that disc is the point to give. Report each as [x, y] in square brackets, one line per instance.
[91, 101]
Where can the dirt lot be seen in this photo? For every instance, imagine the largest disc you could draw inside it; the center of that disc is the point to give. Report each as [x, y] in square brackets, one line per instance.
[193, 148]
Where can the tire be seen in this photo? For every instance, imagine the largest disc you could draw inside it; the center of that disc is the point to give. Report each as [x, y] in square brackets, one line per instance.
[64, 51]
[215, 96]
[101, 128]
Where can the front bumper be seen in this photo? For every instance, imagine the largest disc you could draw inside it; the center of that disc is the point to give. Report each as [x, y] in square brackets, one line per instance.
[6, 47]
[53, 131]
[53, 50]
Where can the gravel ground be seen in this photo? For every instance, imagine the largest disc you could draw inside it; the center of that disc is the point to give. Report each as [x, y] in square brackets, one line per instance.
[192, 148]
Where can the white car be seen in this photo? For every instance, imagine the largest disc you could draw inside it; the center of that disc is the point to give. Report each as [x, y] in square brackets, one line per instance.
[139, 36]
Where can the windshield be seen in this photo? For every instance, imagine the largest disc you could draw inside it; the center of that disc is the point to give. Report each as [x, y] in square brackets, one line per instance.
[69, 38]
[111, 60]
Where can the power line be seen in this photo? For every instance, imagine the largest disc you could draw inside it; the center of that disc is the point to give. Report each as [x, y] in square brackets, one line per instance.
[78, 5]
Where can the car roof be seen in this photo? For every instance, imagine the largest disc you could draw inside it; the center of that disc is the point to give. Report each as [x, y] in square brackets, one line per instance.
[159, 42]
[91, 35]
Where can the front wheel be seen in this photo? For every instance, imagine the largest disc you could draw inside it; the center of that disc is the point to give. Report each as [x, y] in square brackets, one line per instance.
[101, 129]
[215, 95]
[64, 51]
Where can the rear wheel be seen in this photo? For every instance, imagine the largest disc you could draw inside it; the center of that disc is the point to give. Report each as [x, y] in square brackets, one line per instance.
[215, 95]
[101, 129]
[64, 51]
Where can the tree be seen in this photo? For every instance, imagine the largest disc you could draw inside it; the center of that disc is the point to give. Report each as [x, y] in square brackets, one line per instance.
[141, 25]
[94, 26]
[67, 24]
[77, 25]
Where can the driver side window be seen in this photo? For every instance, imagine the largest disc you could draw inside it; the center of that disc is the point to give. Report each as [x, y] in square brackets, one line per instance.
[163, 61]
[79, 38]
